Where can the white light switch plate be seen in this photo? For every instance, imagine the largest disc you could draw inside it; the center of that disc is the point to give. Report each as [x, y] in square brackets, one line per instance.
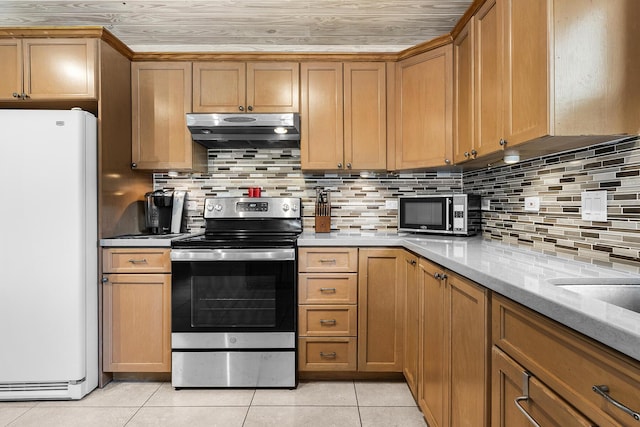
[594, 205]
[391, 204]
[532, 204]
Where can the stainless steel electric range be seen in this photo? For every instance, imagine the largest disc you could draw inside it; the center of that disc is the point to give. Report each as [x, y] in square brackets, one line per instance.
[234, 296]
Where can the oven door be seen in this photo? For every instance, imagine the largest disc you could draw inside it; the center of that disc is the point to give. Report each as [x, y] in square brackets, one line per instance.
[233, 290]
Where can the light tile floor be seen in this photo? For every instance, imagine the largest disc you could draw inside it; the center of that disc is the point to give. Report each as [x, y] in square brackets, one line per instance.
[313, 403]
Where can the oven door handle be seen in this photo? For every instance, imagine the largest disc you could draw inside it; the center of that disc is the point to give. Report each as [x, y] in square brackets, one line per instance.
[257, 254]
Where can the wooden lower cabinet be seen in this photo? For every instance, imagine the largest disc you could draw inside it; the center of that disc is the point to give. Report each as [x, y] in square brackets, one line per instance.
[453, 350]
[564, 361]
[136, 311]
[519, 397]
[380, 310]
[327, 354]
[412, 321]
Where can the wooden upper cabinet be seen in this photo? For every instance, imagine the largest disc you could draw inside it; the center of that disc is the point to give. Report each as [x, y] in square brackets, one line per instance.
[424, 109]
[321, 116]
[463, 95]
[554, 69]
[260, 87]
[48, 69]
[161, 97]
[344, 116]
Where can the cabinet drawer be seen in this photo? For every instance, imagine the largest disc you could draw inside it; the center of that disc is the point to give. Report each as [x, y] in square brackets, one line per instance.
[328, 320]
[327, 354]
[568, 362]
[328, 260]
[327, 288]
[136, 260]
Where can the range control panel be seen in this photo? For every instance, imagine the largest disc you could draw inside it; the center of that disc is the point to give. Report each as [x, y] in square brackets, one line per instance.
[251, 207]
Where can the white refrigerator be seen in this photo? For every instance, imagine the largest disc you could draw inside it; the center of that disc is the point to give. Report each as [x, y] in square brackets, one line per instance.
[48, 254]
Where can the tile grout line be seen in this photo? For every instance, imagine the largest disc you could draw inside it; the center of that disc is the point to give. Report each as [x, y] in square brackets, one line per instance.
[142, 405]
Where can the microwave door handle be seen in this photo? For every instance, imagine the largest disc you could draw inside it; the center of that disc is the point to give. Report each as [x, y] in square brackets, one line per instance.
[448, 213]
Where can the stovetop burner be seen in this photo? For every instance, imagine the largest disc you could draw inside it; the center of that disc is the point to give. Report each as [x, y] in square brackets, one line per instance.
[236, 222]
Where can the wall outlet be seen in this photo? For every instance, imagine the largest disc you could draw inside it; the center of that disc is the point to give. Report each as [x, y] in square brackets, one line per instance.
[532, 204]
[485, 204]
[391, 204]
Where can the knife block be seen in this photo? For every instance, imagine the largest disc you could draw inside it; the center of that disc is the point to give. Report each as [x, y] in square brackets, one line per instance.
[323, 224]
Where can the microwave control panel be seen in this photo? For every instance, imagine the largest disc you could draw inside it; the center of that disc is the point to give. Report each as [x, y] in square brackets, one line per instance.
[458, 217]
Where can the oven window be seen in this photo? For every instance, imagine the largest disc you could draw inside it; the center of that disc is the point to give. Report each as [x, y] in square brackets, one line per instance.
[233, 295]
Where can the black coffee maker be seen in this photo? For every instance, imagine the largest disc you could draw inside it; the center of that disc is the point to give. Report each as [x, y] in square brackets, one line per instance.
[158, 211]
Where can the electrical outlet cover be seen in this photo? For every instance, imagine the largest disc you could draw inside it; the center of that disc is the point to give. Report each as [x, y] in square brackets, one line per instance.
[594, 205]
[532, 204]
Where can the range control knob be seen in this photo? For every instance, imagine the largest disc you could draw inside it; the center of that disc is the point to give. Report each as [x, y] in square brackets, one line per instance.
[294, 208]
[209, 207]
[218, 207]
[285, 207]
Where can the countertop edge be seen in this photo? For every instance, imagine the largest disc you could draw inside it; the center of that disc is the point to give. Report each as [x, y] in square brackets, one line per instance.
[618, 337]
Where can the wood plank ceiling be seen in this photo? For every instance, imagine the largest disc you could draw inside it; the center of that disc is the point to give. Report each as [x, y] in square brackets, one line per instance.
[249, 25]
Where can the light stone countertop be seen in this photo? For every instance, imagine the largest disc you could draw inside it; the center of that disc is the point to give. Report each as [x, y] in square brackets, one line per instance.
[523, 275]
[143, 240]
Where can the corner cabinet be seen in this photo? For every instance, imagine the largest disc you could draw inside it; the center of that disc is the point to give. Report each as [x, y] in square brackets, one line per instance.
[253, 87]
[344, 116]
[136, 295]
[161, 98]
[453, 349]
[424, 109]
[48, 69]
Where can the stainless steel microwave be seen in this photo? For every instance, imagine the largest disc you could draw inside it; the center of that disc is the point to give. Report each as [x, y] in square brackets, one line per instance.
[456, 214]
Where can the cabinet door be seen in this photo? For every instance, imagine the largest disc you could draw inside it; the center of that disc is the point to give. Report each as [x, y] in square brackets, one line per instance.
[487, 79]
[60, 68]
[137, 323]
[321, 139]
[542, 405]
[463, 94]
[365, 115]
[424, 109]
[468, 339]
[161, 97]
[11, 70]
[411, 321]
[526, 69]
[380, 310]
[433, 390]
[219, 87]
[273, 87]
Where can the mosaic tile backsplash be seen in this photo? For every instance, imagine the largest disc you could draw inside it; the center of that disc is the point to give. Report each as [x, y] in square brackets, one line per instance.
[359, 203]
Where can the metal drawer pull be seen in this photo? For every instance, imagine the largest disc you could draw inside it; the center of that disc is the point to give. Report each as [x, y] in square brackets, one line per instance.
[603, 391]
[331, 355]
[138, 261]
[525, 396]
[333, 260]
[332, 290]
[328, 321]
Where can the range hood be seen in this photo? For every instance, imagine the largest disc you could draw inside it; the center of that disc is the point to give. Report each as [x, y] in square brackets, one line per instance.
[258, 130]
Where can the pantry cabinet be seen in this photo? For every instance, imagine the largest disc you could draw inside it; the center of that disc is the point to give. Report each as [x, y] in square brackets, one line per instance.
[453, 349]
[258, 87]
[48, 69]
[136, 296]
[565, 367]
[344, 112]
[424, 109]
[161, 98]
[381, 302]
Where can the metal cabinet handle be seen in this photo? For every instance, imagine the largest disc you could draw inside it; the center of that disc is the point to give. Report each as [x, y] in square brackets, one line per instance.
[503, 142]
[466, 154]
[348, 165]
[16, 95]
[331, 290]
[328, 321]
[138, 261]
[474, 153]
[240, 107]
[134, 165]
[447, 161]
[331, 355]
[413, 262]
[250, 108]
[339, 165]
[525, 396]
[332, 260]
[440, 276]
[603, 391]
[105, 279]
